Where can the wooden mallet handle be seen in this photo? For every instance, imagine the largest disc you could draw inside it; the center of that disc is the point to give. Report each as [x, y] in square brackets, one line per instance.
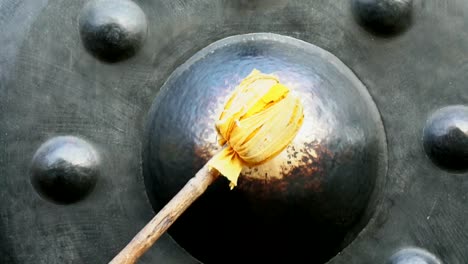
[166, 217]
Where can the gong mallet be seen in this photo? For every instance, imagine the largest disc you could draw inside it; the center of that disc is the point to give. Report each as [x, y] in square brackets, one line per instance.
[259, 120]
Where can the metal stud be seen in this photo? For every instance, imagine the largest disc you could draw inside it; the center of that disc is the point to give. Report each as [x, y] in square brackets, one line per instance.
[446, 138]
[65, 169]
[383, 17]
[112, 30]
[413, 256]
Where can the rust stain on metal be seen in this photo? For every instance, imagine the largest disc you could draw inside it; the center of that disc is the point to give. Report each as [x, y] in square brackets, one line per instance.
[299, 165]
[304, 168]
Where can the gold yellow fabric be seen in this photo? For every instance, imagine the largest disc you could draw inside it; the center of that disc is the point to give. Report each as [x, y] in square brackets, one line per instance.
[259, 120]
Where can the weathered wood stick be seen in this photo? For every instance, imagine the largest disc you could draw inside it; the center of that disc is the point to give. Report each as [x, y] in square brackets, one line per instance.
[166, 217]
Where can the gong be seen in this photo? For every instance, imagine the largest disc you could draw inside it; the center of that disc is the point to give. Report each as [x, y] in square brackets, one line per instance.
[107, 109]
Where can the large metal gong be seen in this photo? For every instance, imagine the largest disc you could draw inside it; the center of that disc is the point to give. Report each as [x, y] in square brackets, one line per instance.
[106, 105]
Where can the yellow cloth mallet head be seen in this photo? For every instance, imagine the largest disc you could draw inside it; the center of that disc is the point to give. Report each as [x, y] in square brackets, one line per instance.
[259, 121]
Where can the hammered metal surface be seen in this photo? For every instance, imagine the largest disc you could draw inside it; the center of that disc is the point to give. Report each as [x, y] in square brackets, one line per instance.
[50, 86]
[316, 194]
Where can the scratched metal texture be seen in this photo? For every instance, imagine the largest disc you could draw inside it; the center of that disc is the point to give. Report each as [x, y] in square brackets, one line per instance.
[49, 86]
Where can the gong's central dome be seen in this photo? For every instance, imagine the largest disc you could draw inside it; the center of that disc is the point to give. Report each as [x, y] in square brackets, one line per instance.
[315, 196]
